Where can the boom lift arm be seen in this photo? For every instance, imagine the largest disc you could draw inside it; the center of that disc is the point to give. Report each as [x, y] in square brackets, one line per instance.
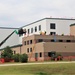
[20, 32]
[8, 37]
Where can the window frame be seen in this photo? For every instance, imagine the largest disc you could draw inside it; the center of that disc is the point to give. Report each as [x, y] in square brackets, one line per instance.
[14, 52]
[68, 40]
[39, 27]
[52, 33]
[52, 26]
[35, 28]
[31, 30]
[27, 50]
[24, 42]
[40, 40]
[60, 40]
[28, 31]
[40, 54]
[27, 42]
[30, 49]
[31, 41]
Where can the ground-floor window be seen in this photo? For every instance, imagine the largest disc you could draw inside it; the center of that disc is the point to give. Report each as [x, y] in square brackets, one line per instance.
[50, 54]
[14, 52]
[40, 54]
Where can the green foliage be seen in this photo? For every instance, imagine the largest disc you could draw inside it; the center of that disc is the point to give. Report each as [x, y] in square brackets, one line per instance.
[7, 53]
[58, 56]
[23, 58]
[20, 57]
[16, 57]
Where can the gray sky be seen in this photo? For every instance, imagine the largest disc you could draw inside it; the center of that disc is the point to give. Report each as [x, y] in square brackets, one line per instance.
[17, 13]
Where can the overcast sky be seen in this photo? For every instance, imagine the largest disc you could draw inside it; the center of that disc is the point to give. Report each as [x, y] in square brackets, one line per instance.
[17, 13]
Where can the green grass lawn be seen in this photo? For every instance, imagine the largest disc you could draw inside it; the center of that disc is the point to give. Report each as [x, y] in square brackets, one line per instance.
[47, 69]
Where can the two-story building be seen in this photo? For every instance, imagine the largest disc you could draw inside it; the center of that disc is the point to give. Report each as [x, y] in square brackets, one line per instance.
[58, 38]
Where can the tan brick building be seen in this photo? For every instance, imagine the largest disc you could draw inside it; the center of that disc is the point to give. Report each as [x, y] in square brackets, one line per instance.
[41, 47]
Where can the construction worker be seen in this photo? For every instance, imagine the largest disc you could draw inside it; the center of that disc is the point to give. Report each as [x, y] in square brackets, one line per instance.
[40, 32]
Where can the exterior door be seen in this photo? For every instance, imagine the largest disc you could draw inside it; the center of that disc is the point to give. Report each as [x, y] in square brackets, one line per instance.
[36, 56]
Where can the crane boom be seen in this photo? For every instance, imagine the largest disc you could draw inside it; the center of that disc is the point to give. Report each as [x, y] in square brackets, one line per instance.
[7, 38]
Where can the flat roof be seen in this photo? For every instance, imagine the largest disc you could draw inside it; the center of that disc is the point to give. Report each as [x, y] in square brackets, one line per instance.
[47, 18]
[18, 45]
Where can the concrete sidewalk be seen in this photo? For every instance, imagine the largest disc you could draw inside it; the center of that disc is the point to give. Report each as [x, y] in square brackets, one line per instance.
[15, 64]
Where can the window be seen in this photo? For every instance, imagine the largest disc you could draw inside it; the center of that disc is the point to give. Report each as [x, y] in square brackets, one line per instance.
[52, 40]
[35, 29]
[30, 41]
[30, 49]
[25, 43]
[14, 52]
[40, 54]
[52, 26]
[28, 31]
[40, 40]
[27, 50]
[68, 40]
[31, 30]
[52, 33]
[60, 40]
[39, 27]
[50, 54]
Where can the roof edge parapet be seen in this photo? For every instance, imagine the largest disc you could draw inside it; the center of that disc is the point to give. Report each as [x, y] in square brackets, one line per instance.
[47, 18]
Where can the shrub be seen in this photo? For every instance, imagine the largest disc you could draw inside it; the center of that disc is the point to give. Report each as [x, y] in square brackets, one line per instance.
[58, 56]
[53, 57]
[16, 57]
[23, 58]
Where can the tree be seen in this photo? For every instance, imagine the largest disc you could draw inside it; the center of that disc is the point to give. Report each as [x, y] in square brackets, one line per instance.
[7, 53]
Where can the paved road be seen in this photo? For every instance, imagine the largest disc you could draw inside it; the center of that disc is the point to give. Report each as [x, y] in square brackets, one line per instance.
[4, 64]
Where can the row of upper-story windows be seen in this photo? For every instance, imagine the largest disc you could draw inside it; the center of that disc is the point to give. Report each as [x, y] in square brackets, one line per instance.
[38, 28]
[34, 29]
[27, 42]
[52, 26]
[55, 40]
